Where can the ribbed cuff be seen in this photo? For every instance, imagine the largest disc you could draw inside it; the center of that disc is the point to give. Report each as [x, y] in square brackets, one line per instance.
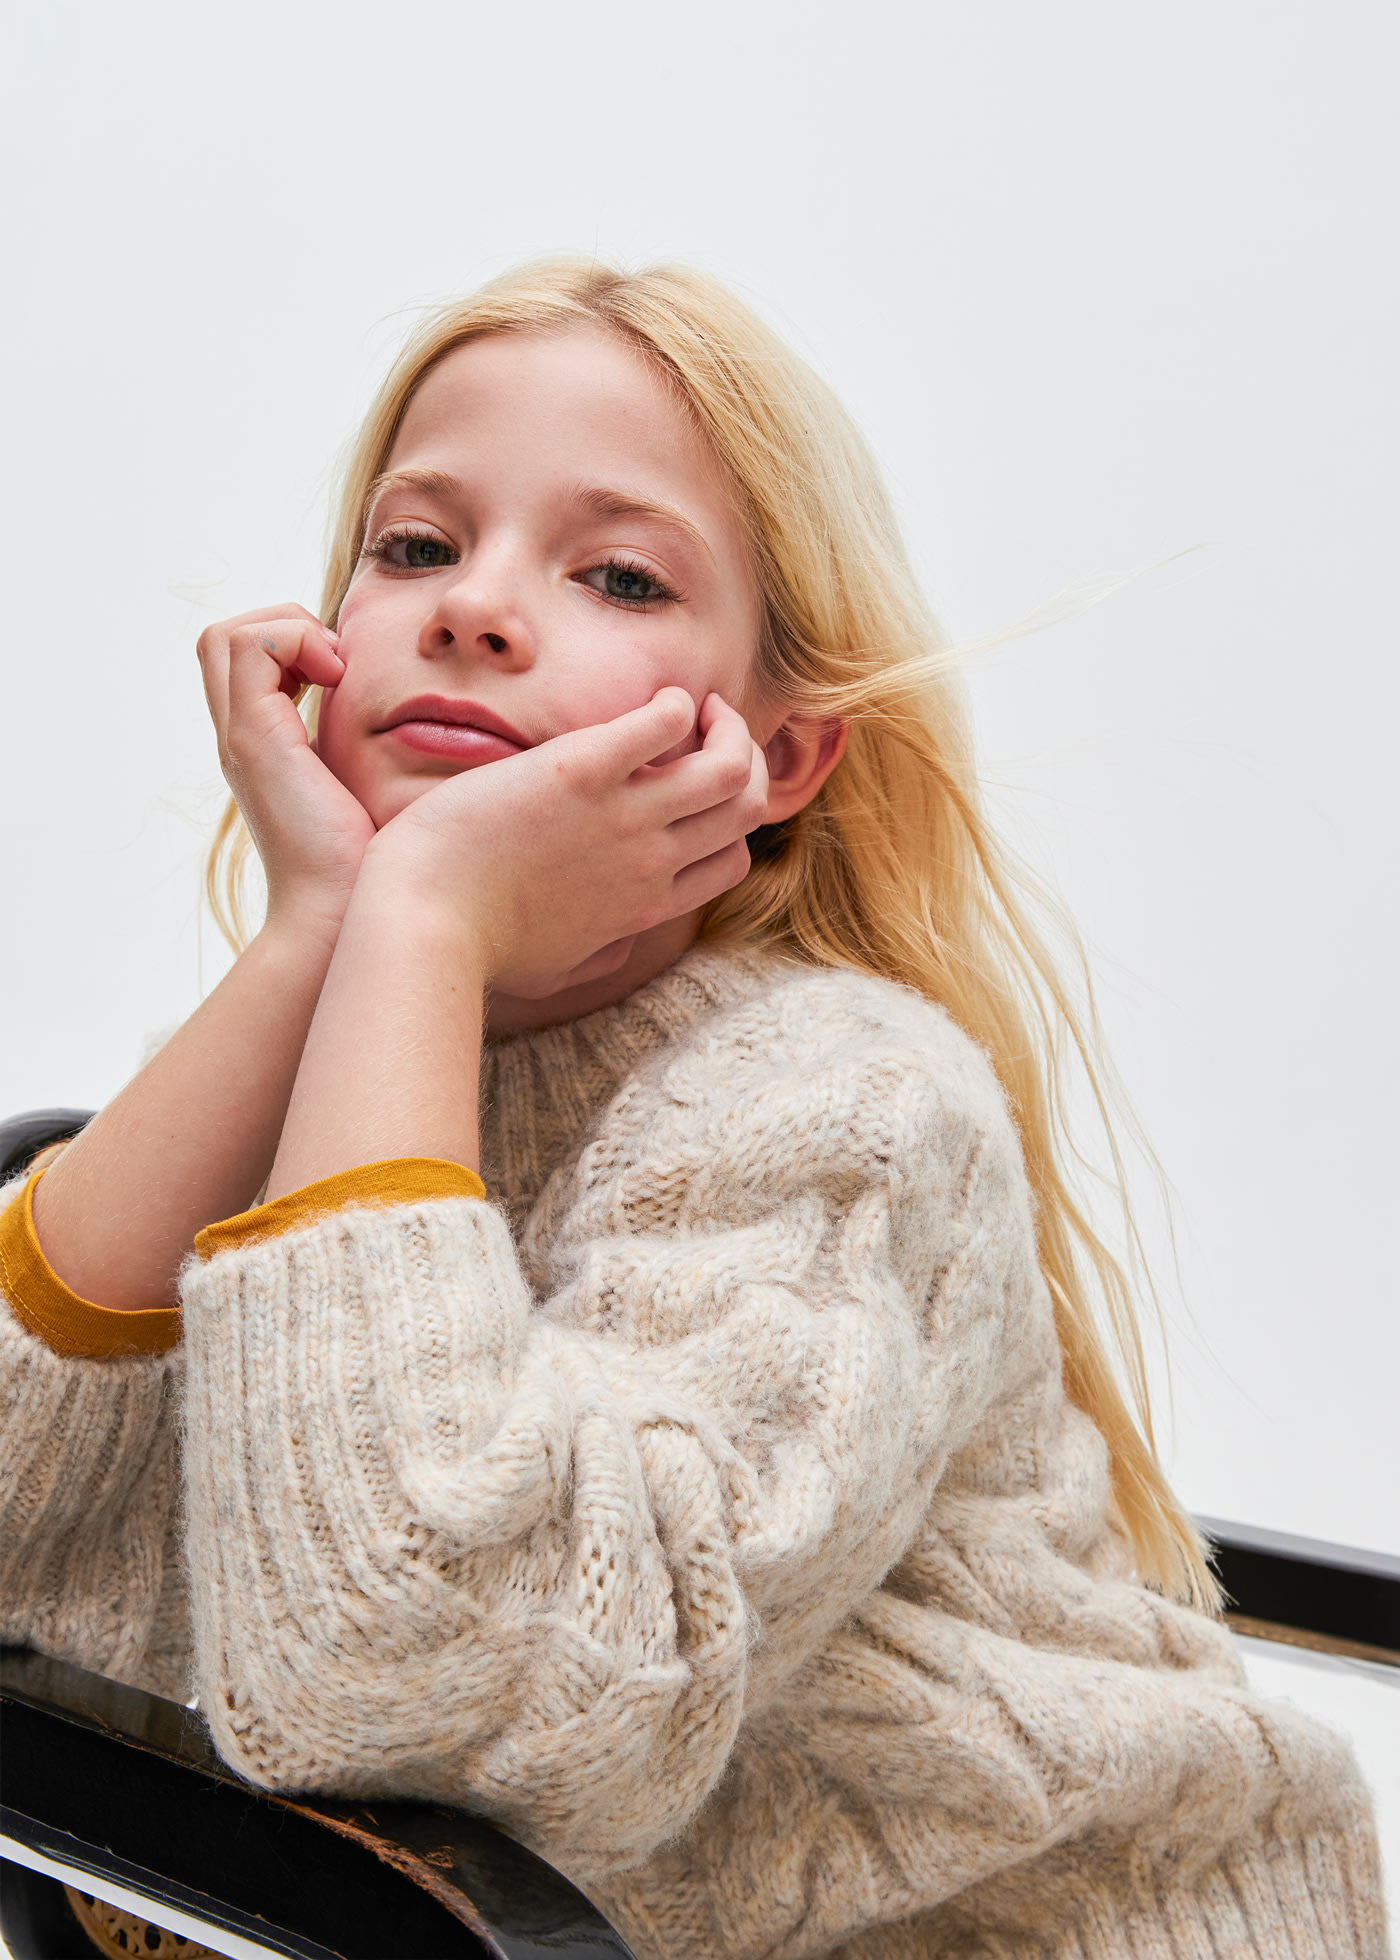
[394, 1181]
[64, 1319]
[1314, 1896]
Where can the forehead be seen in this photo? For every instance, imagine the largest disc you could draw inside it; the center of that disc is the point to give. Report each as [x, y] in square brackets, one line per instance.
[580, 403]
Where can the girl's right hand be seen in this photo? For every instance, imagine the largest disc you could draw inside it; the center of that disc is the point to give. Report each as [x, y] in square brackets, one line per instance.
[310, 832]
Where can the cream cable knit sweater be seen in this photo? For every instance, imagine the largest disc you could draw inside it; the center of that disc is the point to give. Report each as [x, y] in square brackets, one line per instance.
[709, 1510]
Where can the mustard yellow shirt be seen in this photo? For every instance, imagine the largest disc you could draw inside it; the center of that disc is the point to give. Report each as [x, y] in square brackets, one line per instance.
[72, 1325]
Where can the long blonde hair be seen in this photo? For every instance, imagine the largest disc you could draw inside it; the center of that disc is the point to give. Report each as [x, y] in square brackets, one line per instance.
[893, 868]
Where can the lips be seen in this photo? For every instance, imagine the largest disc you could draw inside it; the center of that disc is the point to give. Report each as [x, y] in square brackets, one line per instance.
[456, 714]
[463, 731]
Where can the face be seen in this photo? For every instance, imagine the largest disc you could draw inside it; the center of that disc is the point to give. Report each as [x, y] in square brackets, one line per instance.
[551, 543]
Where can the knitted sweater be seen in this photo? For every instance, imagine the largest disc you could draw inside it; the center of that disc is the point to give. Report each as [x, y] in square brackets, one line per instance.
[707, 1509]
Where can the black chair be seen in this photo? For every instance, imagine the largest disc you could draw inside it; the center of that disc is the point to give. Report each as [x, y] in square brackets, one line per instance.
[121, 1797]
[23, 1137]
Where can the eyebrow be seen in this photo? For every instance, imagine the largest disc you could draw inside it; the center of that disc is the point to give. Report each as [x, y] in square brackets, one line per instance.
[588, 500]
[605, 504]
[435, 483]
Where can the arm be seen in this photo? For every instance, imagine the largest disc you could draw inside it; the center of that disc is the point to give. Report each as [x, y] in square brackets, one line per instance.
[192, 1136]
[91, 1563]
[91, 1559]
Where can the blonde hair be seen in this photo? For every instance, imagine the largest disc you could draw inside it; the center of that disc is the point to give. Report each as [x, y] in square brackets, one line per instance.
[892, 868]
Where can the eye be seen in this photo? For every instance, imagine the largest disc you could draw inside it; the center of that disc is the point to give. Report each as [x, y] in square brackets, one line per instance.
[411, 551]
[627, 583]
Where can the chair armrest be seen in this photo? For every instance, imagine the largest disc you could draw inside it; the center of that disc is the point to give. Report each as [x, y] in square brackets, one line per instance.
[108, 1785]
[23, 1137]
[1307, 1592]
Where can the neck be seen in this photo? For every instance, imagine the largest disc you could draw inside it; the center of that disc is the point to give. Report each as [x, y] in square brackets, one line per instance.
[651, 954]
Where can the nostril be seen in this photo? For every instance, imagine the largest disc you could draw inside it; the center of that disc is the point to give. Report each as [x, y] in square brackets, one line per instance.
[495, 642]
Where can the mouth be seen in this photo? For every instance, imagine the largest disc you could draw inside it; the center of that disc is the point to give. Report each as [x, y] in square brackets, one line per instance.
[463, 731]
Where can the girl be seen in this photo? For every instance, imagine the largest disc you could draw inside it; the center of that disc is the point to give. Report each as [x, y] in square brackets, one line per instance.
[675, 1427]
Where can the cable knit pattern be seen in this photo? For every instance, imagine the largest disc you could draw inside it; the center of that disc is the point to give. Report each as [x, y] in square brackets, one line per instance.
[708, 1510]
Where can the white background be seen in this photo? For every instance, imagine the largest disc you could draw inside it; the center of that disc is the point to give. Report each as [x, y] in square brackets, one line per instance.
[1102, 282]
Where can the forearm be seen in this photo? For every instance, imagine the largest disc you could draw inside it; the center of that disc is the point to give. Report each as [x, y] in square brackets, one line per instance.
[391, 1065]
[191, 1137]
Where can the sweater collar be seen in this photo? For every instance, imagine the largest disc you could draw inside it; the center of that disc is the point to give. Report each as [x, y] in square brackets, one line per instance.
[703, 978]
[541, 1090]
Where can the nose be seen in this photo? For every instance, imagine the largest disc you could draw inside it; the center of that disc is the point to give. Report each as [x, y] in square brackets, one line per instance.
[479, 612]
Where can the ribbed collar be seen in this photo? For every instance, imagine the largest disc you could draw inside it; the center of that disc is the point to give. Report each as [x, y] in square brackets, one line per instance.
[540, 1091]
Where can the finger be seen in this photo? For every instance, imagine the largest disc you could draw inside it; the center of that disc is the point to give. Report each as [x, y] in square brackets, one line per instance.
[668, 718]
[214, 645]
[279, 655]
[608, 959]
[214, 641]
[213, 672]
[697, 837]
[720, 872]
[723, 768]
[289, 610]
[308, 653]
[612, 750]
[716, 713]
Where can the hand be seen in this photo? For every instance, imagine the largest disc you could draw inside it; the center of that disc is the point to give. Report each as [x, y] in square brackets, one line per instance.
[310, 832]
[556, 859]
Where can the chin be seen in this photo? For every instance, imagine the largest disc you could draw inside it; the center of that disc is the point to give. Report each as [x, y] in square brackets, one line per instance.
[393, 798]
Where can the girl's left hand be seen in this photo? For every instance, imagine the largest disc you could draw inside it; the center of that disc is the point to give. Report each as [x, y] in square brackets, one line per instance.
[553, 861]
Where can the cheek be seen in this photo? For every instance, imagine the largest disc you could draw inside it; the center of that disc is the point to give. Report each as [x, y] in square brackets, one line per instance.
[716, 664]
[355, 760]
[346, 708]
[337, 744]
[367, 614]
[593, 667]
[342, 718]
[666, 652]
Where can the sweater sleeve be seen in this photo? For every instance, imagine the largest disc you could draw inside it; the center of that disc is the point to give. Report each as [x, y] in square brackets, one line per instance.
[539, 1552]
[91, 1564]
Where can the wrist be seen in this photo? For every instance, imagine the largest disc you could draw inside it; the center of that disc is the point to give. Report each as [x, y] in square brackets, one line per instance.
[303, 924]
[400, 880]
[391, 907]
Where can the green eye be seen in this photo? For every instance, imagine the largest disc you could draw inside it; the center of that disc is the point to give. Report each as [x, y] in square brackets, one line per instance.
[426, 554]
[411, 551]
[625, 582]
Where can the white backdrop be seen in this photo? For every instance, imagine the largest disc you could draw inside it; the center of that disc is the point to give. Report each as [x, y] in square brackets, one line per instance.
[1102, 283]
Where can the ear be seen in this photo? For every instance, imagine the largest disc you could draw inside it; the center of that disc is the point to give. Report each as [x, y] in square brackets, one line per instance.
[801, 754]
